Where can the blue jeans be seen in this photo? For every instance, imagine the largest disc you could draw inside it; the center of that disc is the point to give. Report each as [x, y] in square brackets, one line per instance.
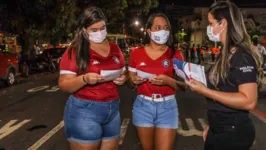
[147, 113]
[88, 121]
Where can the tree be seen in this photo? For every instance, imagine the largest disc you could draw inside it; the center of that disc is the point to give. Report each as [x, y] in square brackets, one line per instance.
[51, 20]
[119, 13]
[38, 19]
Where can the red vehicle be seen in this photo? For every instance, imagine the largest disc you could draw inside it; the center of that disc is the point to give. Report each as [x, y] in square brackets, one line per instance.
[8, 67]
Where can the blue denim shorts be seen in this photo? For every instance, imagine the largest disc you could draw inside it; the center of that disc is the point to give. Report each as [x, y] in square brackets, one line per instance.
[88, 121]
[147, 113]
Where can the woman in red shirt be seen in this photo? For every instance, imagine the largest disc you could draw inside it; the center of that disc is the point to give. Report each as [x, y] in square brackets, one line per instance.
[90, 70]
[155, 112]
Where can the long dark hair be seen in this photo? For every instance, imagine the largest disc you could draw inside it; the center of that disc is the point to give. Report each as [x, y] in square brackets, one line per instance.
[237, 38]
[149, 24]
[80, 45]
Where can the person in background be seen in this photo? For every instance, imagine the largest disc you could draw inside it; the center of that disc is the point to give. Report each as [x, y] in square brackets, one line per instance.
[186, 48]
[260, 49]
[198, 53]
[233, 81]
[203, 50]
[155, 111]
[213, 53]
[192, 53]
[37, 49]
[91, 117]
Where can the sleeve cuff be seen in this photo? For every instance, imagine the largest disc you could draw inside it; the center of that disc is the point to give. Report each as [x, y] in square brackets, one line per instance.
[67, 72]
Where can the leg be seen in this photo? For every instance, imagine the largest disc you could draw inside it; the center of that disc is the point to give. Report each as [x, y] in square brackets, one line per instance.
[146, 136]
[111, 144]
[143, 116]
[78, 146]
[166, 125]
[209, 143]
[111, 129]
[164, 138]
[81, 127]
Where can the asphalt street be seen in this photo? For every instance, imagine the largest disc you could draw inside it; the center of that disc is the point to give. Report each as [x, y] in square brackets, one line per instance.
[31, 114]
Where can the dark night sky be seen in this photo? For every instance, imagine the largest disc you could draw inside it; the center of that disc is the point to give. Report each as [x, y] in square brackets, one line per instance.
[206, 3]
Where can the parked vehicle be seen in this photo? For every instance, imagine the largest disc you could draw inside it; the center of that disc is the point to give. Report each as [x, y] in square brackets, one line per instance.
[41, 64]
[54, 54]
[8, 67]
[126, 43]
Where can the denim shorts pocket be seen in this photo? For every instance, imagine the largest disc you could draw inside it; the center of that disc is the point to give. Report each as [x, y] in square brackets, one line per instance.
[170, 104]
[81, 103]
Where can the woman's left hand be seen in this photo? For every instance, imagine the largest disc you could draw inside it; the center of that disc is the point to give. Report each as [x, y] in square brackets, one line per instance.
[196, 86]
[121, 80]
[159, 80]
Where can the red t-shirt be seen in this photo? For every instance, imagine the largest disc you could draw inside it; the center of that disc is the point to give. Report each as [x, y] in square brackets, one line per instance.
[106, 91]
[140, 61]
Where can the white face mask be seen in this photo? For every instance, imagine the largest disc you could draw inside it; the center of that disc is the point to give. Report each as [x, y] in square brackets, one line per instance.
[211, 35]
[160, 37]
[98, 37]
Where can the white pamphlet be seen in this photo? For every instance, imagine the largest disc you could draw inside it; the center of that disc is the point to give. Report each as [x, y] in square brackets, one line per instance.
[187, 70]
[110, 75]
[145, 75]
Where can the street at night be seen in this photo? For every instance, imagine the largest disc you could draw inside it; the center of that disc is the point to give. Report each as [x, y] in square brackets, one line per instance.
[32, 112]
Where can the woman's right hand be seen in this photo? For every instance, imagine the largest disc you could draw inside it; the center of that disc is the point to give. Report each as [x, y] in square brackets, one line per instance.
[137, 80]
[205, 133]
[93, 78]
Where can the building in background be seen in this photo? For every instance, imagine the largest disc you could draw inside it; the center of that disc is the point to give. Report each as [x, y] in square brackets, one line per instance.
[196, 24]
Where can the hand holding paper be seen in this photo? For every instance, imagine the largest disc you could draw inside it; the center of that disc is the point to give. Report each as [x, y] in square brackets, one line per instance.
[120, 80]
[196, 86]
[187, 71]
[93, 78]
[138, 80]
[110, 75]
[159, 80]
[145, 75]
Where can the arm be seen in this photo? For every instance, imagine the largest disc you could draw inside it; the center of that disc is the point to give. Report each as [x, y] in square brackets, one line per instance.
[70, 83]
[245, 99]
[177, 84]
[122, 79]
[181, 85]
[244, 75]
[68, 79]
[132, 67]
[136, 80]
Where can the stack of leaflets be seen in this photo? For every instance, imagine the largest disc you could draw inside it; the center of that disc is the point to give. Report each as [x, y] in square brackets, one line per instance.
[187, 71]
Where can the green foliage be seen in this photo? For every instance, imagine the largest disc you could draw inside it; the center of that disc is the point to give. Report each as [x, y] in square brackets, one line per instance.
[50, 20]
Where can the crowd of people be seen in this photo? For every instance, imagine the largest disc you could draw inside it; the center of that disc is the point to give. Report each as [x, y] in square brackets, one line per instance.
[199, 53]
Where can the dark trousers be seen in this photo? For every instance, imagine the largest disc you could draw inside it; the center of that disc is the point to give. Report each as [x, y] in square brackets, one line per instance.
[229, 131]
[213, 57]
[201, 56]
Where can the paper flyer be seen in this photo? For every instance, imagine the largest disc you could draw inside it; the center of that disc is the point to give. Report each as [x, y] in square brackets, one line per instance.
[145, 75]
[187, 70]
[110, 75]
